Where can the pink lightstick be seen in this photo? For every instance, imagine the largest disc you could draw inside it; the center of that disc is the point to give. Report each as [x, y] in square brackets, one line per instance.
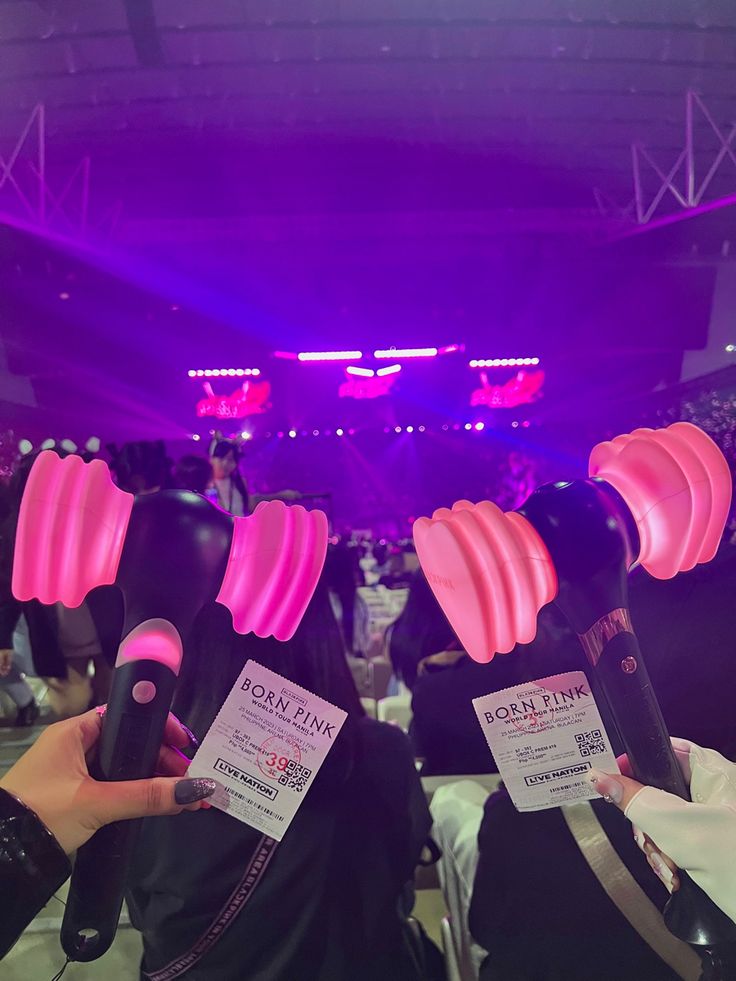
[170, 553]
[658, 497]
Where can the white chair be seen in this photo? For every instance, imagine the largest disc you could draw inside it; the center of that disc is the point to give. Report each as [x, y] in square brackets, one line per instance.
[396, 709]
[457, 811]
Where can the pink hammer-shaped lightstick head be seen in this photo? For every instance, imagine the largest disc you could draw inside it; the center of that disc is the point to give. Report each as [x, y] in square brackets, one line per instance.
[677, 485]
[492, 571]
[75, 526]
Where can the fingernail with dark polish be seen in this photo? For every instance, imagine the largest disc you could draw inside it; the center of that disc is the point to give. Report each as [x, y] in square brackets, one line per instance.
[192, 789]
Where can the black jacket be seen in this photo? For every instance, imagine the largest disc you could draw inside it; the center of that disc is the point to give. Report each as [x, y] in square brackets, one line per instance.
[327, 906]
[32, 867]
[539, 910]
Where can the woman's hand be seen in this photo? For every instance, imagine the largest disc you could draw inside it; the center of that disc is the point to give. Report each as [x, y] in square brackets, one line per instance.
[53, 780]
[699, 836]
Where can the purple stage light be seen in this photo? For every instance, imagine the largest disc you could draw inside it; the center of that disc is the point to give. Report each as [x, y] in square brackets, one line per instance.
[225, 372]
[502, 362]
[339, 432]
[362, 372]
[480, 426]
[391, 369]
[407, 352]
[286, 355]
[410, 429]
[330, 355]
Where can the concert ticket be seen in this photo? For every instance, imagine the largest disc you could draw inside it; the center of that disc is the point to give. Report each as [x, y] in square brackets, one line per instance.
[265, 748]
[545, 736]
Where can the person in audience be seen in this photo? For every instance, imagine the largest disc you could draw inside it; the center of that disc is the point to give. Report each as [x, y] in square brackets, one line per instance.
[420, 632]
[444, 727]
[192, 473]
[530, 912]
[50, 806]
[343, 575]
[63, 643]
[226, 486]
[140, 467]
[328, 904]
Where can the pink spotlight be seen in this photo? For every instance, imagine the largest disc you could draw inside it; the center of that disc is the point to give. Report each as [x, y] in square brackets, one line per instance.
[392, 369]
[407, 352]
[451, 348]
[480, 426]
[286, 355]
[362, 372]
[330, 355]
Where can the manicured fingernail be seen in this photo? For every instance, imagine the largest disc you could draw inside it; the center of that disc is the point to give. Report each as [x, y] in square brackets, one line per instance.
[607, 786]
[660, 867]
[192, 789]
[192, 738]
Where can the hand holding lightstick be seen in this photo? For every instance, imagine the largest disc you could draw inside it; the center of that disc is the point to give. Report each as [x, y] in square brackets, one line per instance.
[170, 553]
[657, 497]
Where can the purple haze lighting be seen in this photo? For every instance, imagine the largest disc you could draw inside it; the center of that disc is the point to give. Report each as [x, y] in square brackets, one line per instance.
[391, 369]
[451, 348]
[362, 372]
[286, 355]
[407, 352]
[330, 355]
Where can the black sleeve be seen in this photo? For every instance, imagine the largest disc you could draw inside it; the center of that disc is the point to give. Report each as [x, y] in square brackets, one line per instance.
[10, 611]
[32, 867]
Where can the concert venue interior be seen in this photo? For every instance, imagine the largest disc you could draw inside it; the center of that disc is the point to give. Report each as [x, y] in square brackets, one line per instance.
[370, 258]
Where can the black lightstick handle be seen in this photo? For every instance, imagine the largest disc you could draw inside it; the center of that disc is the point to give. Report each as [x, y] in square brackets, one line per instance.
[132, 733]
[690, 914]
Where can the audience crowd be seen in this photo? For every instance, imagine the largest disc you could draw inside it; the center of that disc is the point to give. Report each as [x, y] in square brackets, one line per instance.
[336, 901]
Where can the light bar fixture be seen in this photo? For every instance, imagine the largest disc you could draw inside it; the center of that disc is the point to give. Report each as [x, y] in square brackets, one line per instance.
[503, 362]
[391, 369]
[222, 372]
[407, 352]
[330, 355]
[362, 372]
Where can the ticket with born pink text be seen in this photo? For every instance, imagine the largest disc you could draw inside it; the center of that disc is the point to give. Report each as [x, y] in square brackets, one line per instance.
[545, 736]
[265, 748]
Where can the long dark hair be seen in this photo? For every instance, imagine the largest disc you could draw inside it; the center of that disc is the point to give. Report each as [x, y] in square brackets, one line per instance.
[420, 631]
[140, 466]
[314, 658]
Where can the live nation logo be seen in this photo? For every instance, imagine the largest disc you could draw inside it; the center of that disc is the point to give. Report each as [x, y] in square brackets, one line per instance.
[245, 778]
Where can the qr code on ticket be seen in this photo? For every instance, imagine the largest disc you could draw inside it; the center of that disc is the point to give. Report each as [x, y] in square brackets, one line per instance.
[590, 743]
[295, 777]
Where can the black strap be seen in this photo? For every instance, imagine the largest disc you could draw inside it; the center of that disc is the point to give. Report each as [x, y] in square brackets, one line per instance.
[225, 918]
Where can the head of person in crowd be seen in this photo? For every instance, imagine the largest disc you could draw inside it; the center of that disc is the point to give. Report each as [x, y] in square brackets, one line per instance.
[227, 480]
[141, 467]
[314, 658]
[192, 473]
[421, 631]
